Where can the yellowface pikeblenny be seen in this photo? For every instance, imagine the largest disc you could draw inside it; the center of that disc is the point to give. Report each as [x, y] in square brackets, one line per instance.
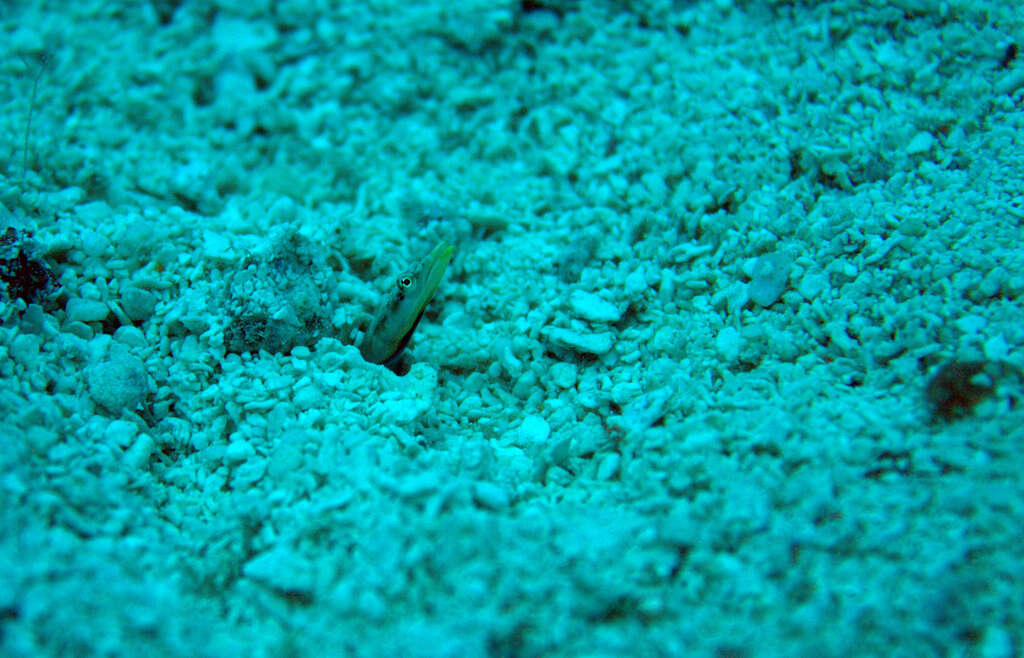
[402, 308]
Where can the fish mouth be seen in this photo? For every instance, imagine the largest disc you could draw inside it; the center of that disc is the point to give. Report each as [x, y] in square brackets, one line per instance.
[437, 263]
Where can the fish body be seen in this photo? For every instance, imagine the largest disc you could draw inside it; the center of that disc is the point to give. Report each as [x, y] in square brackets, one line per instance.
[402, 308]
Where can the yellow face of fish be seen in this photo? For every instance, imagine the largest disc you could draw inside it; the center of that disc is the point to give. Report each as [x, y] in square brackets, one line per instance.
[403, 306]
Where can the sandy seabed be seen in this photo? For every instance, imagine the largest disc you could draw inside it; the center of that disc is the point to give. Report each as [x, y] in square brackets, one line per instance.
[727, 362]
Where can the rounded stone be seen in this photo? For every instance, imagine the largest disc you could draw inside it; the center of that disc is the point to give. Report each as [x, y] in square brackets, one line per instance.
[118, 383]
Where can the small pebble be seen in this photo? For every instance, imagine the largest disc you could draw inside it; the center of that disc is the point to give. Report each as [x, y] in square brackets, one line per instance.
[563, 375]
[93, 244]
[25, 349]
[996, 642]
[138, 455]
[85, 310]
[635, 283]
[120, 433]
[136, 235]
[534, 429]
[138, 304]
[608, 467]
[1011, 82]
[728, 343]
[216, 246]
[769, 279]
[921, 143]
[281, 569]
[78, 330]
[308, 397]
[812, 285]
[238, 451]
[286, 457]
[130, 336]
[589, 306]
[118, 382]
[490, 495]
[599, 343]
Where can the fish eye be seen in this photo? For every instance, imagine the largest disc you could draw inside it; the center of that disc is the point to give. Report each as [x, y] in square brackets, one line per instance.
[404, 282]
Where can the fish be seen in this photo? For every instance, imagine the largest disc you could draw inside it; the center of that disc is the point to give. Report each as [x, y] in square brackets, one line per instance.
[402, 308]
